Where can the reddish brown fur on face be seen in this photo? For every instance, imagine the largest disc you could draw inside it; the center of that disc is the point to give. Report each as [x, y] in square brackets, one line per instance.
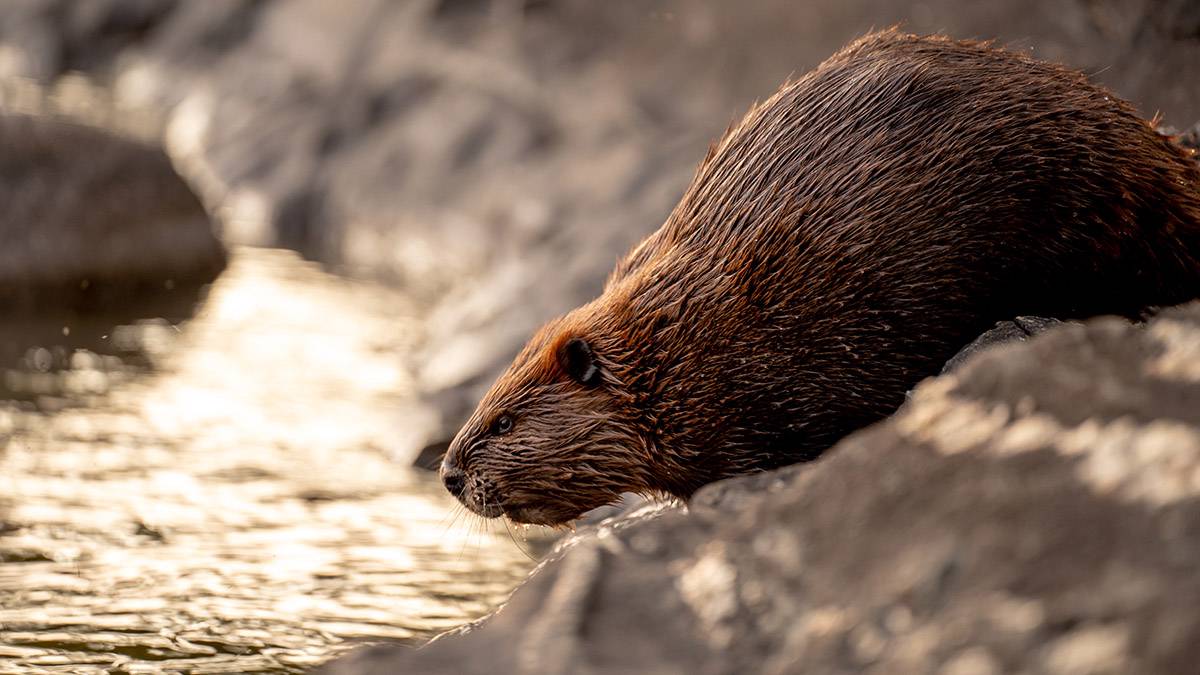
[839, 244]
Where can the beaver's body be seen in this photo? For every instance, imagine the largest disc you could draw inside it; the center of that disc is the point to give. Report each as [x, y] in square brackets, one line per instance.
[837, 245]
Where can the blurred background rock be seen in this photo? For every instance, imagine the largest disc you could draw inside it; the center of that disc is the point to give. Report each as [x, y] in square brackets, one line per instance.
[491, 157]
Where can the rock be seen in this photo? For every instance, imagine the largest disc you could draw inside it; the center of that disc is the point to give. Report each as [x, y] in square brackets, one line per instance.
[1019, 329]
[1037, 510]
[90, 217]
[498, 156]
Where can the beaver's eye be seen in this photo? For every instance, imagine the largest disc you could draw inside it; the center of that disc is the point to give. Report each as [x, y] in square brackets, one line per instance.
[502, 425]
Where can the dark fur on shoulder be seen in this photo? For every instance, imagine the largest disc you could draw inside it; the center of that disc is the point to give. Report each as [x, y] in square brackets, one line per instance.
[836, 246]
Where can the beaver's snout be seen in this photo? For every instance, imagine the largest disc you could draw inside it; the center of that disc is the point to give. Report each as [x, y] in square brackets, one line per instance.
[473, 493]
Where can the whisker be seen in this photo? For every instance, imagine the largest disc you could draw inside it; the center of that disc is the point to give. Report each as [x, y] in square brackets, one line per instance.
[520, 548]
[447, 522]
[471, 522]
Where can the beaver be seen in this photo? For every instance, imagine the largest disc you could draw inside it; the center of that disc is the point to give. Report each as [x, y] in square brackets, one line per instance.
[836, 246]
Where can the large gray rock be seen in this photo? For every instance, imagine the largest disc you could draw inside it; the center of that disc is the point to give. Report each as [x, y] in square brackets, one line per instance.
[1038, 511]
[498, 156]
[90, 218]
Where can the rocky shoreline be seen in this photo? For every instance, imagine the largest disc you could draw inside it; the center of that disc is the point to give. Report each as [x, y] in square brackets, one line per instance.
[1035, 511]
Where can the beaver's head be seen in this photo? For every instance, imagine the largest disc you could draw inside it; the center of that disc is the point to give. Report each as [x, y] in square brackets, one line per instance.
[557, 435]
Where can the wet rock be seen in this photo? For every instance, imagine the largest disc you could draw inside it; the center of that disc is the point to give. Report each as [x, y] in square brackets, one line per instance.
[1034, 511]
[1019, 329]
[90, 218]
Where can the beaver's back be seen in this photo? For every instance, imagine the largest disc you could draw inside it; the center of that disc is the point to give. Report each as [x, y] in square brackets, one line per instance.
[853, 231]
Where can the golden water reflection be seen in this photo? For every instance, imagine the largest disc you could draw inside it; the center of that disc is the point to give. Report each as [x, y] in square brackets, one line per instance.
[230, 505]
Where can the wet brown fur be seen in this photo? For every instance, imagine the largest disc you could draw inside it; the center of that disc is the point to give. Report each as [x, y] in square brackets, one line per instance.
[836, 246]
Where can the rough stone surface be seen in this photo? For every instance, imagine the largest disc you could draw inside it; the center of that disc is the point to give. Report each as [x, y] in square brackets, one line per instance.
[1037, 511]
[497, 156]
[1019, 329]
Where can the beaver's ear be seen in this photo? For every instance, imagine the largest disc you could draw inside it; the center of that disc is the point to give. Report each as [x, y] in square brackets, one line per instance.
[579, 362]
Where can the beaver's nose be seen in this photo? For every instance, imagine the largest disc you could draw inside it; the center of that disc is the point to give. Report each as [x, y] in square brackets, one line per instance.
[453, 477]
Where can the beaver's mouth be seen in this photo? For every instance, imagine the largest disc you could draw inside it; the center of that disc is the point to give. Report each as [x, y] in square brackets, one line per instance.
[531, 515]
[482, 499]
[551, 515]
[487, 510]
[524, 514]
[481, 507]
[521, 514]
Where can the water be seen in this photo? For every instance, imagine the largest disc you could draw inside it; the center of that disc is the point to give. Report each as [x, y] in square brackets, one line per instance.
[217, 495]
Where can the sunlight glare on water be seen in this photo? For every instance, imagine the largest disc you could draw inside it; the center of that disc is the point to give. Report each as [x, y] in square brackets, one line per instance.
[229, 504]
